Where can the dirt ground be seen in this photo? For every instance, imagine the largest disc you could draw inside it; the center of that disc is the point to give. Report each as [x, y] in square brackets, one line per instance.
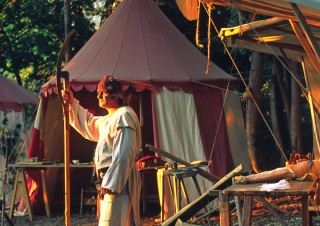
[86, 219]
[289, 209]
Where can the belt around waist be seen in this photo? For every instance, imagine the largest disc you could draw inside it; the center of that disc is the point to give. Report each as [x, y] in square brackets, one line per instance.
[103, 170]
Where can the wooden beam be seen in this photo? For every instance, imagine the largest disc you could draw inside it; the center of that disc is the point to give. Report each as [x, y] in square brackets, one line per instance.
[226, 32]
[314, 59]
[188, 211]
[294, 47]
[201, 172]
[307, 31]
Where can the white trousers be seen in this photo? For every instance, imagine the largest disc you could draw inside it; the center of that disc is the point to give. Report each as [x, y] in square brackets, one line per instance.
[116, 210]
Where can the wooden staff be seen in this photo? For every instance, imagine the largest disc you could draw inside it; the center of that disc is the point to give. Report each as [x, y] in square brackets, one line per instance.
[66, 128]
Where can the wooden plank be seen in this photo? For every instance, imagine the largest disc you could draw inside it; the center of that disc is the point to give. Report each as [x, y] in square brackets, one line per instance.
[297, 188]
[185, 213]
[201, 172]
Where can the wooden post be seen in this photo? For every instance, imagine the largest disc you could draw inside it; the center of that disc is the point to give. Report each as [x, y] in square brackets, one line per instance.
[224, 209]
[45, 193]
[247, 209]
[66, 123]
[66, 127]
[305, 210]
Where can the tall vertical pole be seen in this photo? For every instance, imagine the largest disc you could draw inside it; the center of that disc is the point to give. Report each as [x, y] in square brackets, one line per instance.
[66, 155]
[65, 108]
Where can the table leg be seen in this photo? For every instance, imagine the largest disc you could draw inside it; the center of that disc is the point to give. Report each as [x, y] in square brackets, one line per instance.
[274, 212]
[175, 192]
[184, 191]
[247, 209]
[45, 193]
[162, 197]
[20, 190]
[304, 210]
[224, 209]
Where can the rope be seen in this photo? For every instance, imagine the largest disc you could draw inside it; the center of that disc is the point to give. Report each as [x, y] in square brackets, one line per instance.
[220, 118]
[216, 87]
[198, 27]
[253, 99]
[209, 10]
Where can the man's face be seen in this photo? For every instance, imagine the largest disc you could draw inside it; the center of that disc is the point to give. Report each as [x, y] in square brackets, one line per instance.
[107, 101]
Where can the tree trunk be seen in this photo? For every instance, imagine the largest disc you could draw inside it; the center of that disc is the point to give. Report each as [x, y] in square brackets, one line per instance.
[252, 114]
[281, 78]
[295, 122]
[274, 111]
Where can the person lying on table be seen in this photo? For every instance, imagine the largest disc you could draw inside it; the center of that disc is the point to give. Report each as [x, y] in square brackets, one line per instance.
[305, 168]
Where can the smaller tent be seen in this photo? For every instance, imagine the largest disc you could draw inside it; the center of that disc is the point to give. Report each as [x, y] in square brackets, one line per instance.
[13, 99]
[14, 96]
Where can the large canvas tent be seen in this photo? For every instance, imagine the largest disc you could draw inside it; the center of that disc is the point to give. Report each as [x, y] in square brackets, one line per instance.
[190, 116]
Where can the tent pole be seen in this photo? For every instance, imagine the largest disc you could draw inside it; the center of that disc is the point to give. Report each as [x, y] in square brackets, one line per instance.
[141, 116]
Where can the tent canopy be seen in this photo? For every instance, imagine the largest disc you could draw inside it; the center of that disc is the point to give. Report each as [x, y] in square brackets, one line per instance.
[138, 42]
[14, 96]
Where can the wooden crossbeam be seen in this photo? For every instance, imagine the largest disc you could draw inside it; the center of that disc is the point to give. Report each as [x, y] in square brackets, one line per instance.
[201, 172]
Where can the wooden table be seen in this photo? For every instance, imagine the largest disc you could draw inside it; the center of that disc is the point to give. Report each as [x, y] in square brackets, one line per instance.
[20, 185]
[298, 188]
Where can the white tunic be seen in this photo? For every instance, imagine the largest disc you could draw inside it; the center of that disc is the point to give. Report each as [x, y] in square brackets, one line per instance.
[119, 142]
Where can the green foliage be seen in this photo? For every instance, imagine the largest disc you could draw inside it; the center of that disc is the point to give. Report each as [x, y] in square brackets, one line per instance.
[31, 33]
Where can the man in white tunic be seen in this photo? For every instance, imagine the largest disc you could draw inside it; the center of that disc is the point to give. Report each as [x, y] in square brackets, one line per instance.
[118, 143]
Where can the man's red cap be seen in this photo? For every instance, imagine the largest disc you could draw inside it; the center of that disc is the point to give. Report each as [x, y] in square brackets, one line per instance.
[111, 86]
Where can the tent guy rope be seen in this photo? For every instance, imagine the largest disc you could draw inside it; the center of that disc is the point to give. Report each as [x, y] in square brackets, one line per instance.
[247, 88]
